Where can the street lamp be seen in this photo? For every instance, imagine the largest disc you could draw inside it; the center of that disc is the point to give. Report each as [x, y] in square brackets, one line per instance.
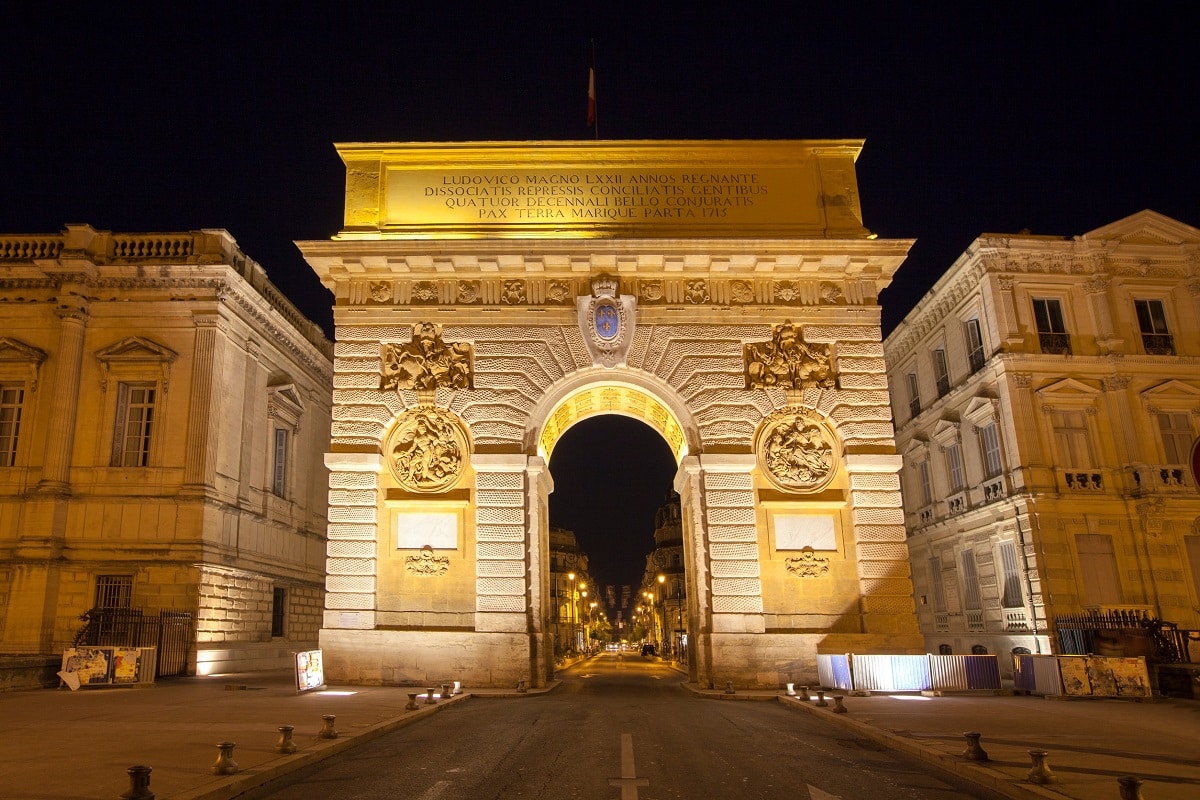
[571, 610]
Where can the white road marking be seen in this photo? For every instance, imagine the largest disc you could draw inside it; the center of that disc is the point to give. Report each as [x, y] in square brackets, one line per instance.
[816, 794]
[629, 781]
[435, 791]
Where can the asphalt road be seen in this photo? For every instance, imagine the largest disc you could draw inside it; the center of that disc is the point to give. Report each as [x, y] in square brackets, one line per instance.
[619, 728]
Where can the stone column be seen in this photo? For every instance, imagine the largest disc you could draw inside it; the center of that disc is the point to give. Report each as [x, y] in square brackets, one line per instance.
[538, 488]
[203, 425]
[353, 536]
[884, 576]
[64, 397]
[252, 411]
[502, 600]
[695, 559]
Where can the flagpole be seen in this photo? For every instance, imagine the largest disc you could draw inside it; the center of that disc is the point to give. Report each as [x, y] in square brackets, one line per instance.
[592, 90]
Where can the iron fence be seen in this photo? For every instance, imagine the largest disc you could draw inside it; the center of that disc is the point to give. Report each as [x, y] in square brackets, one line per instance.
[1124, 632]
[171, 632]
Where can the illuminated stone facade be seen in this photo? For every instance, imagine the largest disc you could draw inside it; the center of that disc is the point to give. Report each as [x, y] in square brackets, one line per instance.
[163, 417]
[1047, 392]
[724, 293]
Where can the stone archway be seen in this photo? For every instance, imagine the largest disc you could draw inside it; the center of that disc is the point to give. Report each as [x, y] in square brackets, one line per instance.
[489, 296]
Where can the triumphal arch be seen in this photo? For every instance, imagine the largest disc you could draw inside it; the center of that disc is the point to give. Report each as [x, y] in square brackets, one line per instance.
[491, 295]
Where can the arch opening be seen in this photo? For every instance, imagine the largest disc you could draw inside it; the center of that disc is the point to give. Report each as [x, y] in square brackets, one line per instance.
[612, 398]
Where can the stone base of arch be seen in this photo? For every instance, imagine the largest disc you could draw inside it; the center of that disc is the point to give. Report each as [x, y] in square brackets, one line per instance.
[430, 658]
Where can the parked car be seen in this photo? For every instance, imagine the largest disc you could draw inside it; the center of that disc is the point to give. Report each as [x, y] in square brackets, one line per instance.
[647, 649]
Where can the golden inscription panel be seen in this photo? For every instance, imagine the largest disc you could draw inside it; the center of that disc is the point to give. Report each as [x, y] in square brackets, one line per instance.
[602, 188]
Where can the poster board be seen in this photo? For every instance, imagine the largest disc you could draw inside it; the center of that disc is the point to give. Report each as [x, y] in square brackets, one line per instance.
[310, 670]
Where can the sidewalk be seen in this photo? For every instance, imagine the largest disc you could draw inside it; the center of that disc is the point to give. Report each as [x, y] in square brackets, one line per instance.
[1090, 742]
[61, 744]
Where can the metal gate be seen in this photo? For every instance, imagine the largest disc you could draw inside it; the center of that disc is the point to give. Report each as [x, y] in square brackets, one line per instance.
[171, 632]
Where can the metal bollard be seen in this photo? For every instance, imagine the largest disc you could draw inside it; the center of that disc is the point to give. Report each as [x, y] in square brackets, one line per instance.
[328, 731]
[821, 698]
[1131, 787]
[139, 784]
[457, 688]
[430, 697]
[225, 765]
[974, 752]
[285, 745]
[521, 686]
[1040, 773]
[445, 690]
[791, 690]
[412, 702]
[838, 706]
[805, 694]
[729, 688]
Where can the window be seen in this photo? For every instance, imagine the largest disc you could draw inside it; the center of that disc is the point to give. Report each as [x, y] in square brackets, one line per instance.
[1011, 590]
[955, 465]
[1051, 329]
[926, 484]
[974, 345]
[278, 604]
[11, 399]
[114, 591]
[970, 581]
[1098, 575]
[134, 425]
[990, 439]
[941, 371]
[1071, 438]
[279, 473]
[1176, 436]
[939, 588]
[914, 395]
[1152, 322]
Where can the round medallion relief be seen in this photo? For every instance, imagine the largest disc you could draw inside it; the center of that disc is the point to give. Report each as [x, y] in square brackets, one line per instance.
[426, 449]
[797, 451]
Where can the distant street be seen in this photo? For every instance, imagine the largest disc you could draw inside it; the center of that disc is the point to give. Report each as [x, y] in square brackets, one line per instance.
[623, 728]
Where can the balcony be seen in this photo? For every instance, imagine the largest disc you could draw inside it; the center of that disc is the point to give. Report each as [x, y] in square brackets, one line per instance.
[974, 620]
[1160, 479]
[994, 489]
[1055, 343]
[956, 504]
[941, 622]
[1080, 481]
[1015, 619]
[926, 515]
[976, 360]
[1158, 344]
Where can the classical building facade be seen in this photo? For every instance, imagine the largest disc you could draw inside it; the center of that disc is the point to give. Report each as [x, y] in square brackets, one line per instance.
[571, 586]
[164, 412]
[489, 296]
[663, 591]
[1047, 394]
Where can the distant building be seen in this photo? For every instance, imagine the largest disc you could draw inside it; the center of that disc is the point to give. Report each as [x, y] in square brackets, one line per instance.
[663, 592]
[1047, 394]
[571, 592]
[164, 413]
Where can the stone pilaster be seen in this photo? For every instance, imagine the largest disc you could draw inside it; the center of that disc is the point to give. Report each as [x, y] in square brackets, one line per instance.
[1007, 323]
[353, 538]
[736, 585]
[695, 543]
[203, 430]
[502, 549]
[64, 398]
[1097, 290]
[538, 488]
[885, 585]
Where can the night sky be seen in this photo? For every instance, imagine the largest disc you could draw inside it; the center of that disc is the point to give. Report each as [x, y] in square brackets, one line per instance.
[978, 117]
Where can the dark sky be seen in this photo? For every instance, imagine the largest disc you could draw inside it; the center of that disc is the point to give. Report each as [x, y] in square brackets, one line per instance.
[996, 117]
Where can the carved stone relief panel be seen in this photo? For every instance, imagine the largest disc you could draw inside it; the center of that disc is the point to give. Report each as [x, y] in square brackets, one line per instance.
[427, 449]
[796, 450]
[788, 362]
[427, 363]
[427, 564]
[808, 564]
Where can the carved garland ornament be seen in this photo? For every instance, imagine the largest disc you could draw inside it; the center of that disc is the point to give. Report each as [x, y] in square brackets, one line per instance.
[427, 363]
[425, 563]
[788, 362]
[807, 565]
[427, 449]
[796, 450]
